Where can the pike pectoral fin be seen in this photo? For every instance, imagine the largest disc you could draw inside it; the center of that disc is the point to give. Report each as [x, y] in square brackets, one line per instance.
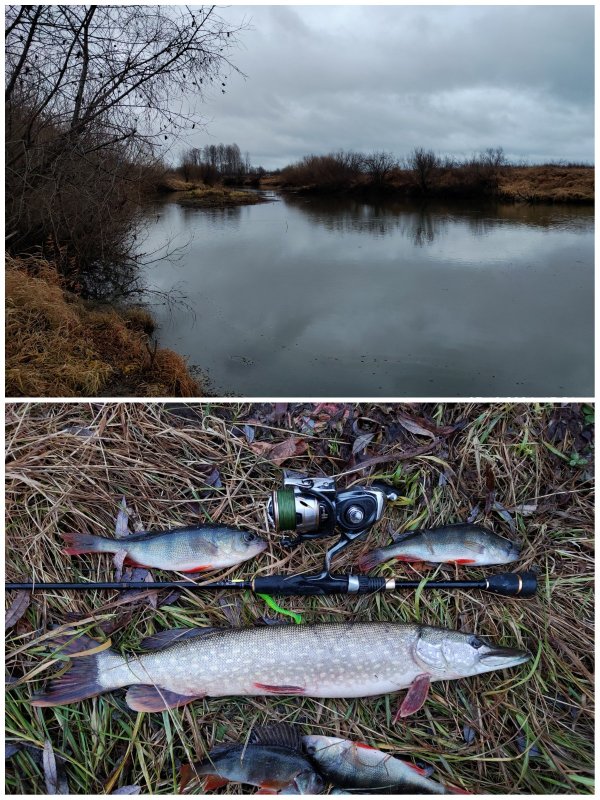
[150, 698]
[415, 697]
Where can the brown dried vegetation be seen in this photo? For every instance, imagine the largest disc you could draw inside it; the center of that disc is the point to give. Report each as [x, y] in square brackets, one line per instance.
[59, 345]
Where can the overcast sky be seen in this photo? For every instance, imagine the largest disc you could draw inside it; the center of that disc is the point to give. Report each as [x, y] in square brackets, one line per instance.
[456, 79]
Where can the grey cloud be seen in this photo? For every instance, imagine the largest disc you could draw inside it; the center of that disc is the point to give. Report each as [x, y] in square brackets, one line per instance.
[454, 78]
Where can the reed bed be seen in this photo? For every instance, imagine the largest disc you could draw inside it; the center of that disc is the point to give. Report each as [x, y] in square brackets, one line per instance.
[523, 469]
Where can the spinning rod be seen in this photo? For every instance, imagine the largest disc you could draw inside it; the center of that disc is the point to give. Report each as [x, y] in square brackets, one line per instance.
[507, 584]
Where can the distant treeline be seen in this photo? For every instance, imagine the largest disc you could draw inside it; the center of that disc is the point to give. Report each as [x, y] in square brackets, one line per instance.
[421, 172]
[214, 163]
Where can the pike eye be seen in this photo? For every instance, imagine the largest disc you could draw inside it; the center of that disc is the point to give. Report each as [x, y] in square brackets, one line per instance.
[249, 537]
[311, 749]
[476, 643]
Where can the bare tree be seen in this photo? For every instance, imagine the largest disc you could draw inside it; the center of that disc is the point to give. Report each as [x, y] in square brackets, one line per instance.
[493, 157]
[379, 165]
[90, 93]
[423, 163]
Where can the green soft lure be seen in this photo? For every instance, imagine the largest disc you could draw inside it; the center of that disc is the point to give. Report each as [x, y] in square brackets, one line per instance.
[272, 604]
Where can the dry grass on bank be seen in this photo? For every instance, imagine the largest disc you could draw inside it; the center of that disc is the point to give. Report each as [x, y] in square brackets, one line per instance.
[57, 345]
[218, 197]
[550, 184]
[528, 730]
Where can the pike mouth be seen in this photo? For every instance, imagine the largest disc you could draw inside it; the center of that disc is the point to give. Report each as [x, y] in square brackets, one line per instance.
[499, 657]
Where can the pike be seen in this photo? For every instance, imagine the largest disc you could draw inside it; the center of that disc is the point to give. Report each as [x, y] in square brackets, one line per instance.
[192, 549]
[325, 660]
[450, 544]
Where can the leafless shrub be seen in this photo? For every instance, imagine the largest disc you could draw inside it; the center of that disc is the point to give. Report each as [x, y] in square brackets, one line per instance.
[90, 93]
[336, 170]
[423, 164]
[379, 165]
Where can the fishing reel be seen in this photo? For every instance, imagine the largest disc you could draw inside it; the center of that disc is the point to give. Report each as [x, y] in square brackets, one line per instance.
[313, 508]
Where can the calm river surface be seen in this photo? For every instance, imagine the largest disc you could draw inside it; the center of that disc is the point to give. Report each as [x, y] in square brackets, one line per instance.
[328, 297]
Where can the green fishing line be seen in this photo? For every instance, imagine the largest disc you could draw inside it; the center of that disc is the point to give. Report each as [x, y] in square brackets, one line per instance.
[272, 604]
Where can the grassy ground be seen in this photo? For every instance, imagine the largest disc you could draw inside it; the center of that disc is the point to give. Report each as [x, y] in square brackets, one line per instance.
[57, 345]
[547, 184]
[529, 467]
[217, 197]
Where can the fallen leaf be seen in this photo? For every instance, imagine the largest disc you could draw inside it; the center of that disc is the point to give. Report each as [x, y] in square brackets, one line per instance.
[50, 771]
[18, 607]
[504, 513]
[261, 448]
[122, 524]
[525, 510]
[330, 409]
[278, 412]
[118, 560]
[74, 430]
[361, 442]
[10, 748]
[469, 734]
[287, 449]
[423, 427]
[415, 426]
[214, 478]
[232, 609]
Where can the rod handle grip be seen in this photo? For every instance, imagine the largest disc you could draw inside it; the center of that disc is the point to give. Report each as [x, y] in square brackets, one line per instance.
[513, 584]
[300, 584]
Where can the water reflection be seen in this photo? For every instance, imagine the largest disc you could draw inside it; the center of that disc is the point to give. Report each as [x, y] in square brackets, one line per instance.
[337, 297]
[424, 222]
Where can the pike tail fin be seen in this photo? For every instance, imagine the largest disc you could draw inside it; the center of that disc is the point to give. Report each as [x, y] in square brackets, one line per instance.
[78, 543]
[81, 679]
[371, 559]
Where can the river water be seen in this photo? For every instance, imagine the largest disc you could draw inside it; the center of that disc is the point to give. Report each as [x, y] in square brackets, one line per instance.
[335, 297]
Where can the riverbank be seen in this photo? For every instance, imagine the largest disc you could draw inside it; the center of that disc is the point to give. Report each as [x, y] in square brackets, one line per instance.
[217, 197]
[536, 184]
[58, 344]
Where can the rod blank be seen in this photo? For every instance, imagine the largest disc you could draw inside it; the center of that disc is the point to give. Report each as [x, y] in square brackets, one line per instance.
[507, 584]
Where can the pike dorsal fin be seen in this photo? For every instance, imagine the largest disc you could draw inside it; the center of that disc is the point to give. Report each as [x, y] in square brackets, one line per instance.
[162, 639]
[279, 734]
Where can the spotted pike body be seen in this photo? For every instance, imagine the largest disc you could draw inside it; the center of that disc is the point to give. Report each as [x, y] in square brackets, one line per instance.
[193, 549]
[326, 660]
[458, 544]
